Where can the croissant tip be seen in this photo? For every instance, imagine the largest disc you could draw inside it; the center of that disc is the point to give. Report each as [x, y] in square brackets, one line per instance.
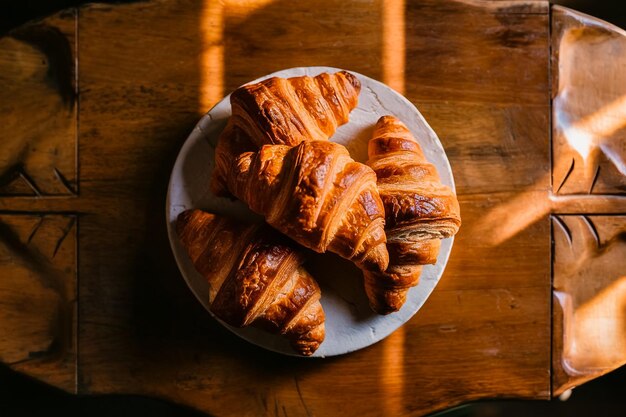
[308, 352]
[308, 343]
[352, 79]
[376, 259]
[383, 309]
[389, 119]
[387, 291]
[385, 301]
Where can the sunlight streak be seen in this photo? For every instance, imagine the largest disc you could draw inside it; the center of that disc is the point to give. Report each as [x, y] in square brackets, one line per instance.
[592, 131]
[213, 18]
[211, 55]
[393, 44]
[590, 288]
[594, 332]
[393, 66]
[392, 380]
[512, 216]
[241, 9]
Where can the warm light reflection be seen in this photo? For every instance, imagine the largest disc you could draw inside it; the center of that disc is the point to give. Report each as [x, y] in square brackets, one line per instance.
[586, 136]
[392, 381]
[393, 44]
[211, 55]
[240, 9]
[593, 130]
[594, 333]
[590, 286]
[393, 65]
[213, 16]
[512, 216]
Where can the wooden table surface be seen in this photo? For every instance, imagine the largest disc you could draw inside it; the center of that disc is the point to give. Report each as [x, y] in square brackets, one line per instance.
[527, 99]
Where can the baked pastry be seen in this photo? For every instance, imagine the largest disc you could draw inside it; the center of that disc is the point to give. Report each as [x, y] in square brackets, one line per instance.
[287, 111]
[318, 196]
[231, 143]
[255, 277]
[283, 111]
[419, 212]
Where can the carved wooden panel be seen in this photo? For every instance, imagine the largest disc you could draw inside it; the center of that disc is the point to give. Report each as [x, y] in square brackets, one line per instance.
[38, 109]
[589, 179]
[38, 296]
[590, 297]
[589, 113]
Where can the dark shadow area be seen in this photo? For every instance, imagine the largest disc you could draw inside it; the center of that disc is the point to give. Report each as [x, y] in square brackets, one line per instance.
[610, 10]
[13, 13]
[21, 396]
[604, 397]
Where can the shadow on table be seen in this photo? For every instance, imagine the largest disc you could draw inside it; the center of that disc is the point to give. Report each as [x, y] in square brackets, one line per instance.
[23, 396]
[601, 397]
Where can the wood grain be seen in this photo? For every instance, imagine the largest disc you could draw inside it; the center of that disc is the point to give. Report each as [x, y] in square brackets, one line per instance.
[141, 331]
[477, 70]
[127, 344]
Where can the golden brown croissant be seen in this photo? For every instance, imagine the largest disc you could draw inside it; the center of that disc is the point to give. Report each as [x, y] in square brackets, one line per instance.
[280, 111]
[419, 212]
[318, 196]
[255, 277]
[232, 142]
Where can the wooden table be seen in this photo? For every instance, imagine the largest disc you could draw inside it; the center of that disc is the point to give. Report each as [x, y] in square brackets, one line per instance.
[529, 103]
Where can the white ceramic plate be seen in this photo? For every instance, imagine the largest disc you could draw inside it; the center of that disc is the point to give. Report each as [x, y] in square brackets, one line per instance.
[350, 324]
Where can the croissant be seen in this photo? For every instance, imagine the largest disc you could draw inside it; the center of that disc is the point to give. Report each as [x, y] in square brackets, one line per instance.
[231, 143]
[318, 196]
[419, 212]
[255, 277]
[280, 111]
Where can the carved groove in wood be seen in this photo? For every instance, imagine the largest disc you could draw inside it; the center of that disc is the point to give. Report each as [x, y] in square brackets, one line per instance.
[589, 178]
[589, 296]
[589, 105]
[38, 109]
[38, 295]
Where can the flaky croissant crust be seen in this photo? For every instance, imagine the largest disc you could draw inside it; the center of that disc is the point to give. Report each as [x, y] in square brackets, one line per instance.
[419, 212]
[409, 185]
[255, 277]
[317, 195]
[287, 111]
